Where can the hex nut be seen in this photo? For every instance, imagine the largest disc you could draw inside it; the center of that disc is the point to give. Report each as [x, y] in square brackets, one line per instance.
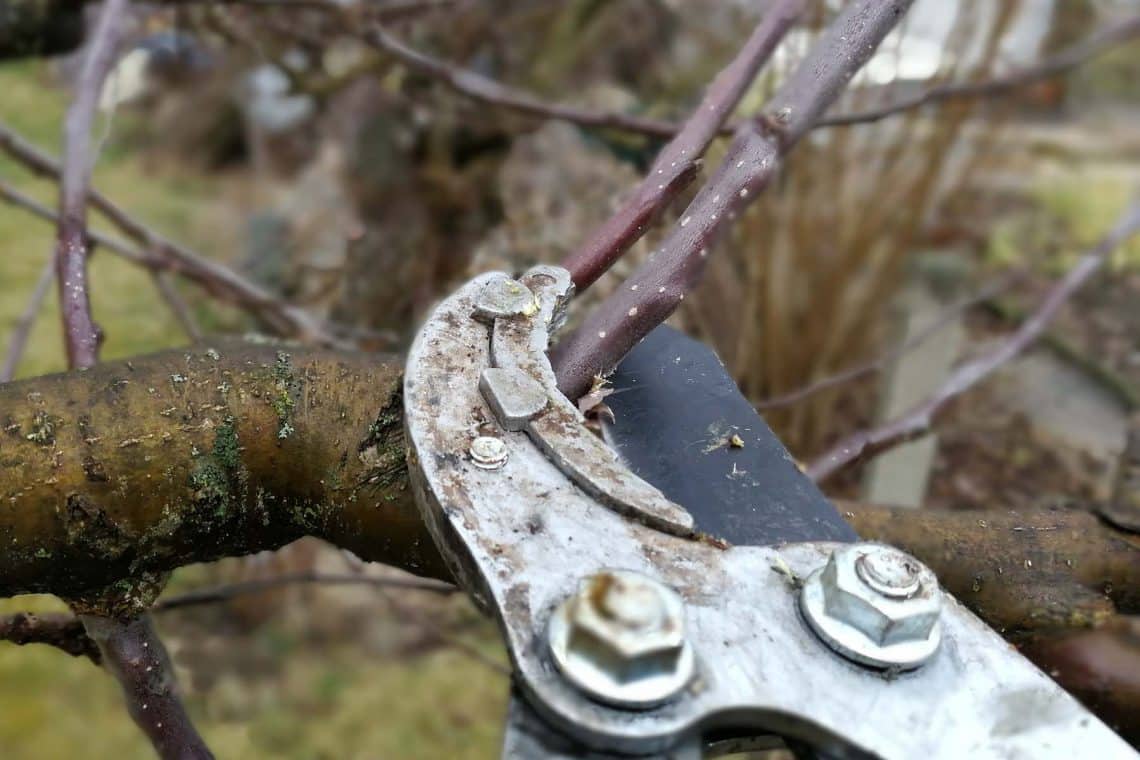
[621, 639]
[876, 605]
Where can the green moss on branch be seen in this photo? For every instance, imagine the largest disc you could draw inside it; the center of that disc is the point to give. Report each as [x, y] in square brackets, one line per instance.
[143, 466]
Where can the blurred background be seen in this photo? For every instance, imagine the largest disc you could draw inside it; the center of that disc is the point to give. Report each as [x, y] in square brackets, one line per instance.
[274, 141]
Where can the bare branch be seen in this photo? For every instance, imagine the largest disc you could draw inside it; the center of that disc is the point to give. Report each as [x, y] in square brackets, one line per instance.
[19, 340]
[216, 279]
[66, 632]
[230, 591]
[494, 93]
[918, 420]
[486, 90]
[81, 334]
[659, 285]
[941, 321]
[11, 195]
[134, 653]
[177, 304]
[678, 162]
[1099, 42]
[63, 631]
[432, 629]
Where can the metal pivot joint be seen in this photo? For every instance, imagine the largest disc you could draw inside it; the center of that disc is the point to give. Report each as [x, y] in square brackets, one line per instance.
[629, 632]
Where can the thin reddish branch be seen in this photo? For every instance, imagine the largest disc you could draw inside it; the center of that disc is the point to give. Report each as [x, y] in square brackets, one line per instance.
[487, 90]
[133, 652]
[18, 342]
[19, 338]
[218, 280]
[178, 305]
[1096, 44]
[215, 594]
[851, 374]
[677, 163]
[81, 334]
[658, 286]
[918, 420]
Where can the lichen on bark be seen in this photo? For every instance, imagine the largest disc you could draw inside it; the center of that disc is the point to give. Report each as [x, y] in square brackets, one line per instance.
[177, 458]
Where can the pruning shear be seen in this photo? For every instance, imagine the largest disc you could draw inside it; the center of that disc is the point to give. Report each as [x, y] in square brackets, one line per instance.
[680, 587]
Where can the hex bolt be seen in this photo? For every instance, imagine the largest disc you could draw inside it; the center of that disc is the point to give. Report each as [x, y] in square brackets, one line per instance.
[890, 573]
[488, 452]
[620, 638]
[875, 605]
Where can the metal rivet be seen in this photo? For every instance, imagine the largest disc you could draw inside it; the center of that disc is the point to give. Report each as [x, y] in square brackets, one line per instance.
[621, 639]
[504, 297]
[488, 452]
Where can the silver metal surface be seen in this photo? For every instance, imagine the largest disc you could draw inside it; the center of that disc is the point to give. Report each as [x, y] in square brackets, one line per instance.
[621, 639]
[503, 297]
[876, 605]
[520, 538]
[515, 397]
[520, 345]
[488, 452]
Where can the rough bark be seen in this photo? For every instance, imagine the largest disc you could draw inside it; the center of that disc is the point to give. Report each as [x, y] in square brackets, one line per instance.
[134, 468]
[112, 477]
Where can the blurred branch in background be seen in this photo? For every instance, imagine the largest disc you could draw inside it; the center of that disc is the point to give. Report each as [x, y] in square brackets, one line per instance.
[66, 632]
[1098, 43]
[919, 420]
[215, 278]
[954, 312]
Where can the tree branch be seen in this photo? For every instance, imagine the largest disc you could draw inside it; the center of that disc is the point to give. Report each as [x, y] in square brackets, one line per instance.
[1026, 572]
[174, 458]
[659, 285]
[1096, 44]
[134, 653]
[851, 374]
[18, 342]
[66, 633]
[63, 631]
[216, 279]
[918, 420]
[230, 591]
[81, 335]
[678, 162]
[192, 455]
[486, 90]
